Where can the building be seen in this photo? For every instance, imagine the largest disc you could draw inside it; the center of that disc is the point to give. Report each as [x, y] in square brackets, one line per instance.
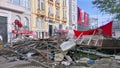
[93, 23]
[11, 10]
[116, 29]
[48, 16]
[72, 14]
[67, 14]
[82, 20]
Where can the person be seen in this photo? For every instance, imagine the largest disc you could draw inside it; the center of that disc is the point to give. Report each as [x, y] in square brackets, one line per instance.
[0, 42]
[55, 31]
[100, 32]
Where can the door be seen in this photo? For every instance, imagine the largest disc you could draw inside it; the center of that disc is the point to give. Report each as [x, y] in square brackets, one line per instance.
[50, 30]
[3, 29]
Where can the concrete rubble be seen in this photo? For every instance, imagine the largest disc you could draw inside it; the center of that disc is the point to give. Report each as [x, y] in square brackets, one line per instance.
[44, 53]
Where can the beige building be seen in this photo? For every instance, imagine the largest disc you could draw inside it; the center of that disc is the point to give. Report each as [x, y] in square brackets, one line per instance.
[48, 16]
[11, 10]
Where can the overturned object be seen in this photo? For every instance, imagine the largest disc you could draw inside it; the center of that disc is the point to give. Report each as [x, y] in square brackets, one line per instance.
[67, 45]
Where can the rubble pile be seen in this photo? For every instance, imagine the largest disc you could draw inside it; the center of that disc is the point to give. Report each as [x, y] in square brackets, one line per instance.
[40, 50]
[44, 52]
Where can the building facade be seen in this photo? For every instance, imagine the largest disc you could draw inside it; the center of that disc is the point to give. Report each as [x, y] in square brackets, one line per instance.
[48, 16]
[72, 14]
[116, 29]
[11, 10]
[93, 22]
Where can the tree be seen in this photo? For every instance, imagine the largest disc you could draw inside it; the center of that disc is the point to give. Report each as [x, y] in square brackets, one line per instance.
[108, 6]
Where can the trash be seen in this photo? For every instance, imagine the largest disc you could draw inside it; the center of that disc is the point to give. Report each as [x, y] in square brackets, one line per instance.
[59, 57]
[67, 63]
[29, 55]
[68, 58]
[90, 61]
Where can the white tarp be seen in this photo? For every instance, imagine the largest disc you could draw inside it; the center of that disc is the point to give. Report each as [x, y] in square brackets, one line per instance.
[67, 45]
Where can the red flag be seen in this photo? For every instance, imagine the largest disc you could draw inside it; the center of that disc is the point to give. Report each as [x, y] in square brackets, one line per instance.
[18, 23]
[79, 16]
[85, 19]
[107, 29]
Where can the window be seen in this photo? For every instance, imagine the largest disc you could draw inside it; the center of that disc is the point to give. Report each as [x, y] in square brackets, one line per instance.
[27, 4]
[17, 18]
[16, 2]
[42, 4]
[10, 1]
[57, 12]
[39, 23]
[64, 13]
[64, 2]
[60, 26]
[38, 4]
[26, 23]
[57, 1]
[50, 10]
[51, 0]
[73, 18]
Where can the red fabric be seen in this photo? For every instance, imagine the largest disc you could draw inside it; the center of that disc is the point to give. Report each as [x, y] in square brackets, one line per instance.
[18, 23]
[22, 32]
[89, 32]
[107, 30]
[79, 16]
[85, 19]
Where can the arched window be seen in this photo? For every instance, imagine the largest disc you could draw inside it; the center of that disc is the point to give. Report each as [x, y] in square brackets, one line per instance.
[26, 23]
[42, 4]
[17, 18]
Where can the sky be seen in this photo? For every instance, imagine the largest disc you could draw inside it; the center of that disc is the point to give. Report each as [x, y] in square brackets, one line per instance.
[88, 7]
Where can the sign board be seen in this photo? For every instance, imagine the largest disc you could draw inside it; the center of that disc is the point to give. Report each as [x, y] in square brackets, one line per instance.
[22, 32]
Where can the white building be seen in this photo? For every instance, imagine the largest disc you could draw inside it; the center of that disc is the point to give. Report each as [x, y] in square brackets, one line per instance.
[93, 23]
[11, 10]
[116, 29]
[72, 14]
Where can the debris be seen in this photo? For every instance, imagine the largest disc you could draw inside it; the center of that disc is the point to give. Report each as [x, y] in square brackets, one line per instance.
[59, 57]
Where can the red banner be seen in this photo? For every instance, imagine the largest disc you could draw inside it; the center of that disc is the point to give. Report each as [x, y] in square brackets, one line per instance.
[106, 30]
[85, 19]
[22, 32]
[79, 16]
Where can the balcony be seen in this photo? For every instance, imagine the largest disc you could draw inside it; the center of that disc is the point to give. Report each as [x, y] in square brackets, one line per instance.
[57, 17]
[40, 13]
[50, 2]
[51, 16]
[64, 19]
[64, 6]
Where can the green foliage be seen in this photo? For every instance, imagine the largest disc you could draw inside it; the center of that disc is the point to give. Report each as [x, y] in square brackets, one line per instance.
[108, 6]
